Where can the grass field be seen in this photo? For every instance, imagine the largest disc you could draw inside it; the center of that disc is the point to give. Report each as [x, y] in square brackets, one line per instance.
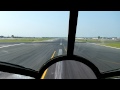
[111, 43]
[24, 39]
[88, 40]
[114, 44]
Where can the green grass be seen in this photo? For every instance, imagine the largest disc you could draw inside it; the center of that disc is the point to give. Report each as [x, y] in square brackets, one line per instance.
[111, 43]
[114, 44]
[88, 40]
[24, 40]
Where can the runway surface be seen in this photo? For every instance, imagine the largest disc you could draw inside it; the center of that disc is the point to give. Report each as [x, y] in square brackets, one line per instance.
[33, 55]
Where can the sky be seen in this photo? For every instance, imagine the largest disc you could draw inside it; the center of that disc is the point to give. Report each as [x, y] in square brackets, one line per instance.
[98, 23]
[55, 23]
[34, 23]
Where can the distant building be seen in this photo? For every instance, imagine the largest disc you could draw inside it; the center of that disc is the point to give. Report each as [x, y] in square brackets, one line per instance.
[95, 38]
[114, 38]
[80, 38]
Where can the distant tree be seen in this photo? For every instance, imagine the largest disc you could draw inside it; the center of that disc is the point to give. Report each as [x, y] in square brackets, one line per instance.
[98, 37]
[1, 36]
[12, 36]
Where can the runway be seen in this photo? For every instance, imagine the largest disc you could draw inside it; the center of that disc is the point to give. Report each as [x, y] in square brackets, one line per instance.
[33, 55]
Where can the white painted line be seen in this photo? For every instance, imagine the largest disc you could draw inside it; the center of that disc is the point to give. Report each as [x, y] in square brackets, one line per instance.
[60, 43]
[58, 69]
[64, 48]
[105, 46]
[12, 45]
[60, 52]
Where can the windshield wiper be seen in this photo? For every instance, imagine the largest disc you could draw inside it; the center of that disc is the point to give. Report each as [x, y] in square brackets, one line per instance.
[111, 71]
[17, 69]
[110, 74]
[14, 65]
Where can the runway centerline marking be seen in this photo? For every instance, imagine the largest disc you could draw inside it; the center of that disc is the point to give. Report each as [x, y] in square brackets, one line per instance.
[45, 72]
[58, 69]
[53, 54]
[64, 48]
[60, 43]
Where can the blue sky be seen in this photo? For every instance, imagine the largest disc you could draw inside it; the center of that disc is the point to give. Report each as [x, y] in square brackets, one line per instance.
[98, 23]
[34, 23]
[55, 24]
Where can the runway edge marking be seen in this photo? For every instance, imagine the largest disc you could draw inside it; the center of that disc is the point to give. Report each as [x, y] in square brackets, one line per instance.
[12, 45]
[105, 46]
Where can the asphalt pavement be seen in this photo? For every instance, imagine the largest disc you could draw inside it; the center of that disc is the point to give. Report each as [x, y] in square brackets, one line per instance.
[33, 55]
[105, 58]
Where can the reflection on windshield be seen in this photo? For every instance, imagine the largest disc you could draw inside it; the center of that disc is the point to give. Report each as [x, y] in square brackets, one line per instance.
[30, 38]
[98, 38]
[69, 69]
[6, 75]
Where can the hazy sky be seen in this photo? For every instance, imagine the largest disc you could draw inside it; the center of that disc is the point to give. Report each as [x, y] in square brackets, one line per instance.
[55, 24]
[34, 23]
[98, 23]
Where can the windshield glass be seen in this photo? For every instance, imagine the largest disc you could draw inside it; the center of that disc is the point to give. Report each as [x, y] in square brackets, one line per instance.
[98, 38]
[30, 38]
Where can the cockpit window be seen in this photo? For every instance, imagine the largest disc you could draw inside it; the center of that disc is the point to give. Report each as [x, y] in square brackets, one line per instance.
[30, 38]
[98, 38]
